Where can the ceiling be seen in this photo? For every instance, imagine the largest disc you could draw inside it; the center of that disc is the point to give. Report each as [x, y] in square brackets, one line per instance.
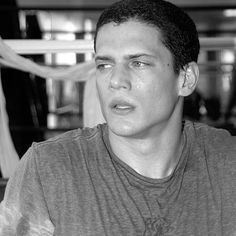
[79, 3]
[209, 15]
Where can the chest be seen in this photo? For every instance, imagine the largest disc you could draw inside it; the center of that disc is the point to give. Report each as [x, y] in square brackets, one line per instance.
[112, 205]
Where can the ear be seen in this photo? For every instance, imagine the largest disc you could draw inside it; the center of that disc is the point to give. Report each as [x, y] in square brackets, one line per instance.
[188, 79]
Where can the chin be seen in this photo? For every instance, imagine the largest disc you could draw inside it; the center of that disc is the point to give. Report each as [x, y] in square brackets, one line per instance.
[120, 129]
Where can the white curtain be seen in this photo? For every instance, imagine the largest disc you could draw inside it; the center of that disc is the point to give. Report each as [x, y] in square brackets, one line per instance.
[80, 72]
[8, 156]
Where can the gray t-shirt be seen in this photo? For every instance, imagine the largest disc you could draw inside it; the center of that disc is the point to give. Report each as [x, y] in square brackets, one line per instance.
[75, 185]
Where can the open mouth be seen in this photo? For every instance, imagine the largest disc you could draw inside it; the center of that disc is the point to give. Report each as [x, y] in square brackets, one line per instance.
[122, 107]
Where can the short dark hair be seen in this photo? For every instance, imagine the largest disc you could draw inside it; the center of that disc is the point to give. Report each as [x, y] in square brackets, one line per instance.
[179, 33]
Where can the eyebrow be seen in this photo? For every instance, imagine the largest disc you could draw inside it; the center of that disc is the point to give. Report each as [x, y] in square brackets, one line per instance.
[128, 57]
[135, 56]
[104, 58]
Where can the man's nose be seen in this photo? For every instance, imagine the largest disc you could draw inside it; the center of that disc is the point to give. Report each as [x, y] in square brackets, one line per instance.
[120, 78]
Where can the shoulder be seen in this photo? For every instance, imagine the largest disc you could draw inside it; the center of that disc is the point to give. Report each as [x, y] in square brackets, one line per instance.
[65, 151]
[211, 137]
[217, 146]
[71, 140]
[76, 134]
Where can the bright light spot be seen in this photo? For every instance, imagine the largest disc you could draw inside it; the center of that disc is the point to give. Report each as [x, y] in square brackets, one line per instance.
[226, 83]
[22, 20]
[52, 121]
[45, 20]
[65, 36]
[88, 27]
[229, 13]
[65, 58]
[227, 56]
[47, 36]
[70, 27]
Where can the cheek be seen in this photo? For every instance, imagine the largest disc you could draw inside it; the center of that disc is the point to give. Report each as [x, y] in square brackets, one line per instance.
[158, 93]
[102, 81]
[100, 90]
[150, 90]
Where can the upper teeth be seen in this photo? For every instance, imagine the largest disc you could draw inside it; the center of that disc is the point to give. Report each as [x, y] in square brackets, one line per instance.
[122, 107]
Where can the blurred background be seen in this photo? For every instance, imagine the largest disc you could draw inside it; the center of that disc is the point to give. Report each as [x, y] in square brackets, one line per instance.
[39, 108]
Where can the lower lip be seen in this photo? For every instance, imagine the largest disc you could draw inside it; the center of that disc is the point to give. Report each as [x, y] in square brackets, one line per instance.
[120, 111]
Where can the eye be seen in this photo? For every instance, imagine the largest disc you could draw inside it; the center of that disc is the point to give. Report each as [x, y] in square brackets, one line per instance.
[139, 64]
[103, 66]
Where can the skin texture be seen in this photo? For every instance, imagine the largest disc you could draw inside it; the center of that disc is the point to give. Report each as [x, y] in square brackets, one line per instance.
[140, 96]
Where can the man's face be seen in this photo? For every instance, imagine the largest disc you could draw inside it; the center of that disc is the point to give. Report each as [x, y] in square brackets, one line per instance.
[137, 86]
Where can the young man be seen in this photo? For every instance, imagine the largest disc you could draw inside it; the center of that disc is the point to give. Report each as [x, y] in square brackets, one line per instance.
[145, 172]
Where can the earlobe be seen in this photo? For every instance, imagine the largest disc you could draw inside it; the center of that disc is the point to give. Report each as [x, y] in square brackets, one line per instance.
[188, 79]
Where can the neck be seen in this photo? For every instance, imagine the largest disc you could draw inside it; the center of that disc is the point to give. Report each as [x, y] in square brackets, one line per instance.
[154, 156]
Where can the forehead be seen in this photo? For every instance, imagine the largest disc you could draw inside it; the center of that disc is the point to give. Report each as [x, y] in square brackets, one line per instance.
[129, 34]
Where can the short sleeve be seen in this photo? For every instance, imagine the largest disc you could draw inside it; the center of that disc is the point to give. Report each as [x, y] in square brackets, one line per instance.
[23, 210]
